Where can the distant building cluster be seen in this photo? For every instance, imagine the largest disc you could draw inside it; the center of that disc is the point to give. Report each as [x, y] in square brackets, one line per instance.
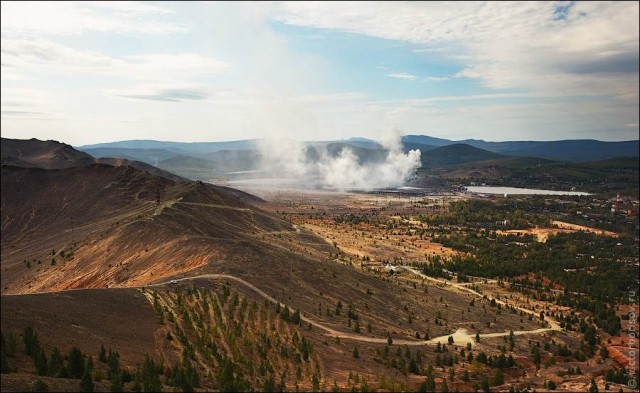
[624, 205]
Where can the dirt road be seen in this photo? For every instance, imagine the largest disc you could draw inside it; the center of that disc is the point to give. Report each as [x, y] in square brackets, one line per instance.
[460, 336]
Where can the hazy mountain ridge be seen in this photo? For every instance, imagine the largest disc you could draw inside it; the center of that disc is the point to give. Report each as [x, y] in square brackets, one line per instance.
[581, 150]
[456, 154]
[578, 150]
[468, 159]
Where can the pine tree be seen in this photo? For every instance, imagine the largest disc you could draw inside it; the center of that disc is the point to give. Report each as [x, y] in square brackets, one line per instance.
[75, 363]
[103, 354]
[413, 367]
[40, 360]
[511, 340]
[56, 363]
[498, 378]
[116, 383]
[150, 377]
[431, 384]
[485, 384]
[189, 376]
[285, 314]
[39, 386]
[89, 365]
[137, 386]
[86, 383]
[113, 362]
[226, 379]
[31, 344]
[296, 317]
[269, 384]
[593, 388]
[444, 387]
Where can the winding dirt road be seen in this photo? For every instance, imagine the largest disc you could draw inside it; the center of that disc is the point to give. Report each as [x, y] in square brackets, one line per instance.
[460, 336]
[329, 331]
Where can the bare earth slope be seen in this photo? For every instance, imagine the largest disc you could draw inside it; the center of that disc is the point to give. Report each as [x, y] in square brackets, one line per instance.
[69, 221]
[88, 318]
[41, 154]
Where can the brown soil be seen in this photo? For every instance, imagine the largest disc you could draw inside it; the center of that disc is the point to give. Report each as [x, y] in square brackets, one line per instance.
[575, 227]
[542, 234]
[102, 227]
[117, 318]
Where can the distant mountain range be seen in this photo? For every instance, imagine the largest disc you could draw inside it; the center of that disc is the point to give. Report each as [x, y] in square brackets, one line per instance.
[578, 150]
[455, 154]
[201, 160]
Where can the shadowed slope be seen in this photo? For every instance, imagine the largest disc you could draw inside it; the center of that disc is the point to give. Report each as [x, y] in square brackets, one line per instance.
[100, 225]
[41, 154]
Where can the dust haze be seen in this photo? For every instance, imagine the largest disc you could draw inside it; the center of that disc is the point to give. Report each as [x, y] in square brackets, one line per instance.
[289, 161]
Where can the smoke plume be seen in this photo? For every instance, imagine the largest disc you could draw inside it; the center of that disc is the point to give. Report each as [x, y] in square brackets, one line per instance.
[316, 166]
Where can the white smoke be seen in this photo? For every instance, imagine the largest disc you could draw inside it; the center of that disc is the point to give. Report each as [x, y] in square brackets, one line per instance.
[279, 83]
[288, 160]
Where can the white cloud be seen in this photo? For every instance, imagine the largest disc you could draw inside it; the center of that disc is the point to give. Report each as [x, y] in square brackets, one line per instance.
[21, 57]
[436, 79]
[402, 75]
[100, 62]
[72, 18]
[549, 119]
[331, 97]
[28, 104]
[163, 93]
[468, 97]
[593, 50]
[184, 65]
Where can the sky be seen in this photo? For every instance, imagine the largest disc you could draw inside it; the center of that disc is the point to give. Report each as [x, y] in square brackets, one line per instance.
[85, 73]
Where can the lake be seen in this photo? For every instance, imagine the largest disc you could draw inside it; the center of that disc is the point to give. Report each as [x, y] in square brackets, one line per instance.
[519, 191]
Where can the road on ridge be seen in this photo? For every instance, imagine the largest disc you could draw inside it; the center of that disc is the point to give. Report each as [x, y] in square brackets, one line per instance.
[460, 336]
